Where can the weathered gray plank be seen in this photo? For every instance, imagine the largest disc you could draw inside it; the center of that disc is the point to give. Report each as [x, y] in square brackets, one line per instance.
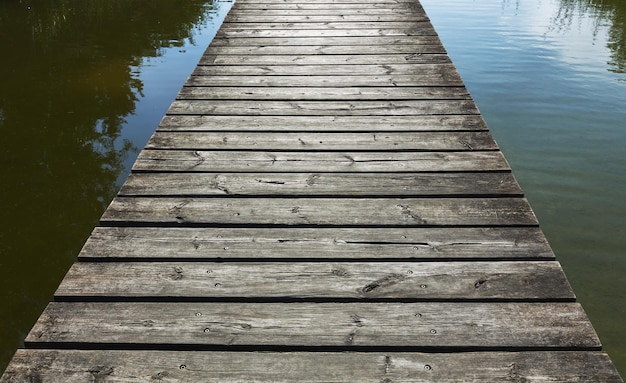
[321, 211]
[78, 366]
[353, 162]
[331, 2]
[305, 243]
[413, 7]
[332, 25]
[323, 94]
[355, 280]
[327, 50]
[425, 30]
[396, 80]
[423, 141]
[316, 10]
[321, 184]
[322, 123]
[327, 70]
[265, 18]
[419, 326]
[313, 41]
[324, 108]
[226, 58]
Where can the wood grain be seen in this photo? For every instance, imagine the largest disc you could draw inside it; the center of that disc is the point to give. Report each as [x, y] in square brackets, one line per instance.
[414, 326]
[423, 141]
[380, 243]
[519, 281]
[321, 184]
[321, 211]
[354, 162]
[322, 93]
[334, 124]
[77, 366]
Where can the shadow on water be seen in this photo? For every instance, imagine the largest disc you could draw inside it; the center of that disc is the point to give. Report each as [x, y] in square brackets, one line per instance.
[609, 13]
[68, 80]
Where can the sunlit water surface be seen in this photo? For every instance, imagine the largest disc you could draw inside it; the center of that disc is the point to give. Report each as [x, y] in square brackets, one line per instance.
[549, 78]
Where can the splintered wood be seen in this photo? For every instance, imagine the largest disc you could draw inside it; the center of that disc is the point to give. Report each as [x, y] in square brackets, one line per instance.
[322, 202]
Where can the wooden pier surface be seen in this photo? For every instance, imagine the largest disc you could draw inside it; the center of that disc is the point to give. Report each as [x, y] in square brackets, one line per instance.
[322, 203]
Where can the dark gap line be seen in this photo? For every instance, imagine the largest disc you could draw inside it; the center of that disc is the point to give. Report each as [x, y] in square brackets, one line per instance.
[291, 348]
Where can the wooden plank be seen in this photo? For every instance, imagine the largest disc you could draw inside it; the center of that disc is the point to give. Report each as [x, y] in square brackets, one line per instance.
[317, 33]
[396, 80]
[323, 94]
[327, 70]
[327, 50]
[322, 123]
[324, 108]
[330, 26]
[422, 141]
[321, 184]
[264, 18]
[324, 162]
[77, 366]
[260, 8]
[336, 2]
[313, 41]
[414, 326]
[224, 58]
[322, 10]
[304, 243]
[320, 211]
[521, 281]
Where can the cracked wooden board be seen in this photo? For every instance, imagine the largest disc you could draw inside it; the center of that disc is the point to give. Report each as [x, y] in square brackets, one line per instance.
[321, 211]
[396, 80]
[402, 141]
[294, 69]
[322, 123]
[225, 56]
[484, 281]
[359, 162]
[74, 366]
[321, 184]
[322, 93]
[412, 326]
[324, 50]
[137, 243]
[332, 25]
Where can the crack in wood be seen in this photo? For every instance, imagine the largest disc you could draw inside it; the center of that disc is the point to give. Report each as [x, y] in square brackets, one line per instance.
[272, 182]
[200, 159]
[386, 281]
[409, 213]
[100, 373]
[177, 211]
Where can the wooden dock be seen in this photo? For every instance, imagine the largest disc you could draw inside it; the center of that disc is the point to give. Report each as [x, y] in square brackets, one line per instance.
[323, 202]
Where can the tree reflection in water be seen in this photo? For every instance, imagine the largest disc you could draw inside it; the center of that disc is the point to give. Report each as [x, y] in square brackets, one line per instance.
[66, 87]
[610, 13]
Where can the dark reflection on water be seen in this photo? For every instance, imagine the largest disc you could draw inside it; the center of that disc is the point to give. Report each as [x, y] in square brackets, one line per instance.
[610, 13]
[68, 80]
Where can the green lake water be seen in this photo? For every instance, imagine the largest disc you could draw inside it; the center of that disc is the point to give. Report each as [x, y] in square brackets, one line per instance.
[83, 84]
[549, 77]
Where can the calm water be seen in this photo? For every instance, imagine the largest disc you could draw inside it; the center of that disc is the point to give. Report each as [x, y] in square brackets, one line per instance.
[549, 77]
[83, 83]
